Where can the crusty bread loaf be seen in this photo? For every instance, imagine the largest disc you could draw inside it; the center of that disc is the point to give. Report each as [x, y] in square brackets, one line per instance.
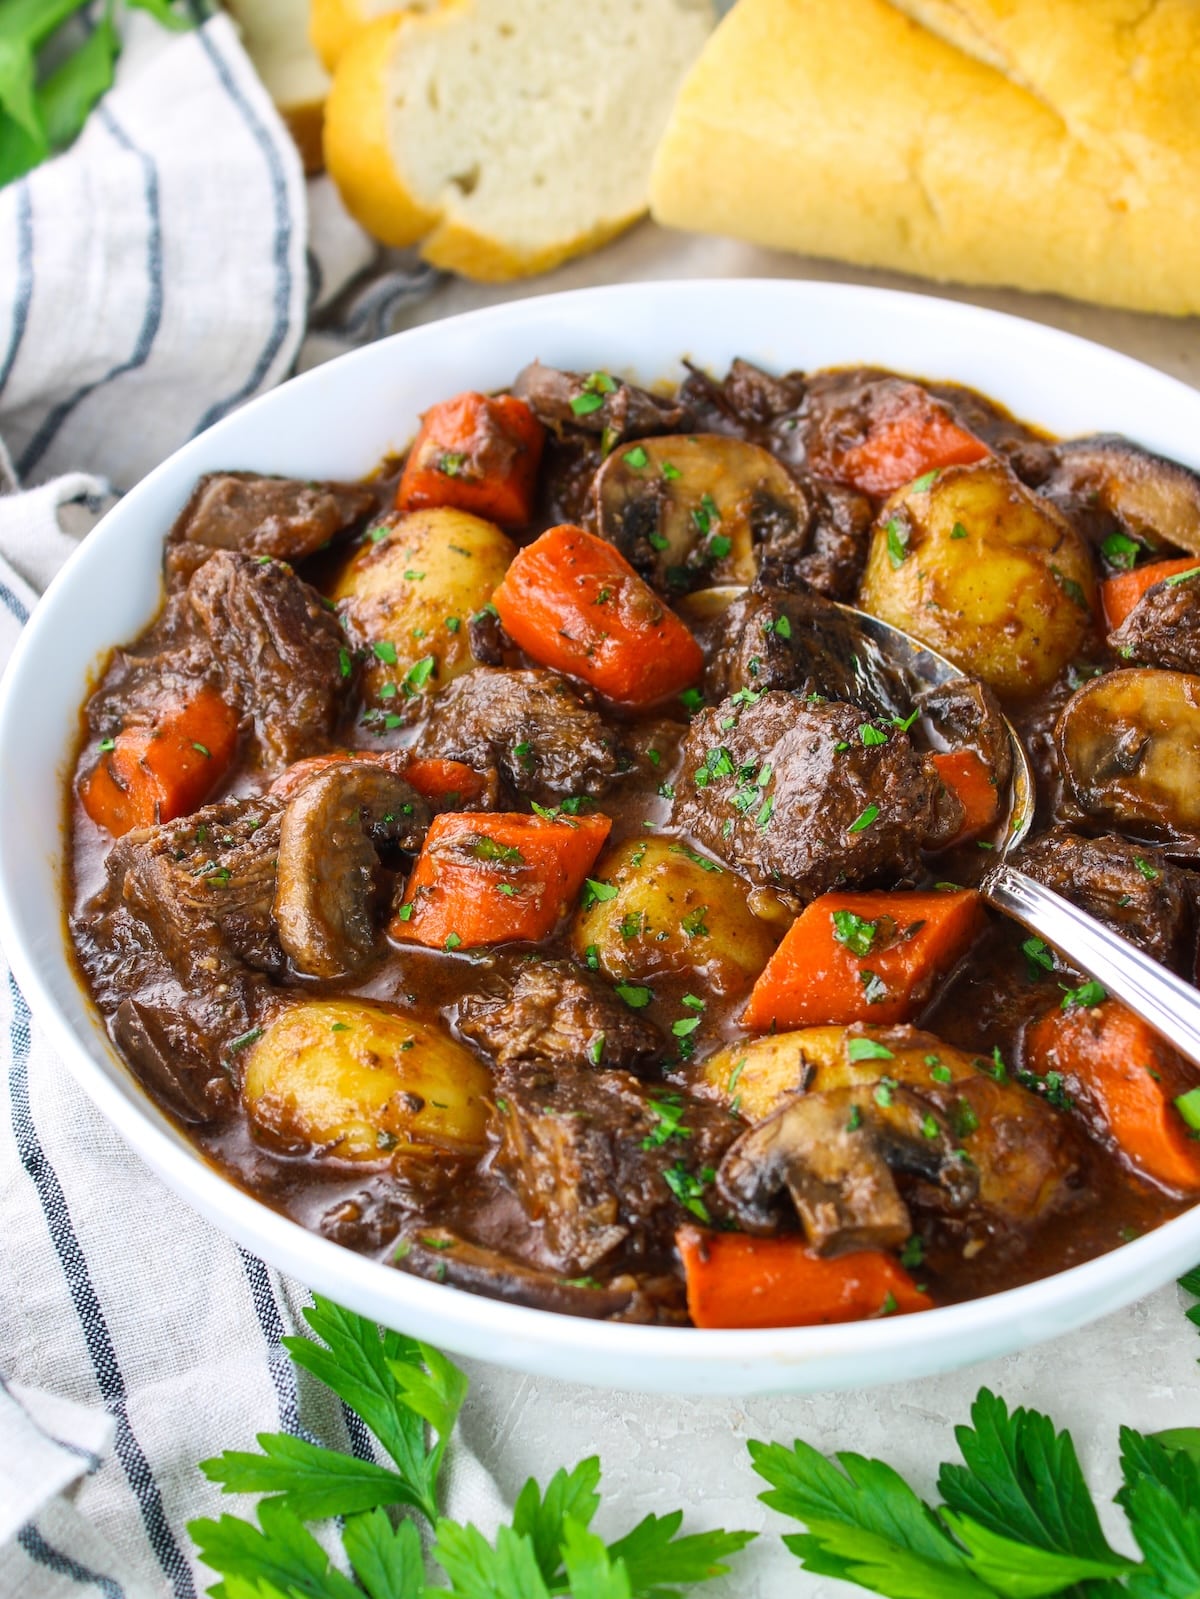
[507, 135]
[1046, 144]
[275, 33]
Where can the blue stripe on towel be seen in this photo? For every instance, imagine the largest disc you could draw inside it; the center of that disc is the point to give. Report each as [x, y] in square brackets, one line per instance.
[13, 605]
[280, 249]
[87, 1307]
[151, 317]
[24, 292]
[283, 1373]
[36, 1547]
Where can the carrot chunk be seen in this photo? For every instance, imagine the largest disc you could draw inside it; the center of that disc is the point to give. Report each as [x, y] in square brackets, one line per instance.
[572, 601]
[863, 958]
[478, 453]
[910, 433]
[965, 774]
[435, 780]
[1124, 1080]
[487, 878]
[157, 773]
[734, 1280]
[1120, 594]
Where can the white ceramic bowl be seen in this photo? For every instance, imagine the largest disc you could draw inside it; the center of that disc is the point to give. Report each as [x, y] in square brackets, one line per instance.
[338, 421]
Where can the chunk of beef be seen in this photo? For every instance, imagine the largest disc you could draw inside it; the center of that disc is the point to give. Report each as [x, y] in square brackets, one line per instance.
[574, 1148]
[532, 727]
[792, 796]
[1163, 629]
[490, 644]
[276, 516]
[204, 886]
[1132, 888]
[165, 667]
[529, 1012]
[772, 639]
[564, 401]
[744, 400]
[968, 716]
[829, 554]
[278, 649]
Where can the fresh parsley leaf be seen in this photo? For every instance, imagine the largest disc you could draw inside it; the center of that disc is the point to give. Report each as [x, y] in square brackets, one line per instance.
[480, 1570]
[284, 1553]
[660, 1564]
[539, 1514]
[1161, 1497]
[311, 1480]
[387, 1560]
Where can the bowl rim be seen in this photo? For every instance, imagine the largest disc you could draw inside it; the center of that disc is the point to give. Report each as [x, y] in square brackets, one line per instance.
[540, 1340]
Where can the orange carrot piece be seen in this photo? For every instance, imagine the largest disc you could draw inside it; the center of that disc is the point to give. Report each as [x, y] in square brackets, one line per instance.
[970, 778]
[572, 601]
[910, 434]
[157, 773]
[478, 453]
[1120, 594]
[489, 877]
[1124, 1080]
[734, 1280]
[863, 958]
[437, 780]
[433, 779]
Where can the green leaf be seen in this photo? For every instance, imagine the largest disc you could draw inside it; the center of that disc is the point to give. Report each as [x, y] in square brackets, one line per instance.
[358, 1364]
[1190, 1282]
[1161, 1497]
[1022, 1481]
[18, 76]
[539, 1514]
[1020, 1570]
[435, 1392]
[477, 1570]
[864, 1524]
[659, 1564]
[592, 1570]
[315, 1482]
[19, 153]
[162, 12]
[1186, 1439]
[283, 1554]
[387, 1560]
[67, 96]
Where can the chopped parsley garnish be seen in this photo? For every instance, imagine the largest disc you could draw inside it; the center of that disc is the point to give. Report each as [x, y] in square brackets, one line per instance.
[595, 893]
[691, 699]
[419, 674]
[671, 473]
[1087, 994]
[1121, 551]
[898, 536]
[855, 932]
[884, 1090]
[1182, 577]
[688, 1188]
[958, 531]
[1039, 955]
[345, 664]
[685, 1025]
[696, 858]
[1188, 1106]
[636, 995]
[875, 990]
[1071, 589]
[485, 848]
[668, 1113]
[385, 651]
[867, 1049]
[862, 822]
[451, 463]
[595, 386]
[1150, 873]
[633, 924]
[453, 941]
[202, 749]
[107, 744]
[596, 1049]
[244, 1040]
[694, 925]
[636, 458]
[871, 736]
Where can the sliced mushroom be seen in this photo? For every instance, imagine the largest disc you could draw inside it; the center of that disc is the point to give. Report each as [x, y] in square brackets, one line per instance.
[1149, 497]
[691, 511]
[594, 402]
[443, 1256]
[327, 888]
[834, 1153]
[1130, 749]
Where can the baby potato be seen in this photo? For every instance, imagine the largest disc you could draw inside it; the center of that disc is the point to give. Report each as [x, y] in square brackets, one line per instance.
[354, 1081]
[760, 1073]
[408, 595]
[980, 568]
[672, 916]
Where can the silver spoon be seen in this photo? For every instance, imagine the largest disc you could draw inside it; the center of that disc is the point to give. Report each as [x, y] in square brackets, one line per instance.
[1165, 1002]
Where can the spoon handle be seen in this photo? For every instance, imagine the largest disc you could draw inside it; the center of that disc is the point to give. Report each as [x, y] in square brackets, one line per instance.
[1166, 1002]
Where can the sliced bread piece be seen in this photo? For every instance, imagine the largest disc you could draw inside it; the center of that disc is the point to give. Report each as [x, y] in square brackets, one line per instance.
[275, 34]
[507, 135]
[1046, 144]
[333, 23]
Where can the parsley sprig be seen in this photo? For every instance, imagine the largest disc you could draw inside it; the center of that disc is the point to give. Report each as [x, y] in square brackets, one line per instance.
[1016, 1518]
[409, 1395]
